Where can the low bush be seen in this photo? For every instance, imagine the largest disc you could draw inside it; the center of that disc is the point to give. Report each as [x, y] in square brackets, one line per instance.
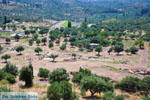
[4, 89]
[145, 98]
[132, 84]
[112, 96]
[4, 82]
[10, 78]
[11, 69]
[2, 74]
[79, 75]
[58, 75]
[43, 73]
[129, 84]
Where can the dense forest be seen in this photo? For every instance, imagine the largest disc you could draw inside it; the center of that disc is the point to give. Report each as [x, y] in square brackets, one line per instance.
[75, 10]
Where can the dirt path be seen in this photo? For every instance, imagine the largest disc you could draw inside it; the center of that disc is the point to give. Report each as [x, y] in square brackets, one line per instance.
[143, 59]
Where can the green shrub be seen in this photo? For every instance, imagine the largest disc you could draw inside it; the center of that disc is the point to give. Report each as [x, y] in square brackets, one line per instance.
[10, 78]
[4, 82]
[58, 75]
[61, 91]
[79, 75]
[11, 69]
[7, 40]
[133, 50]
[145, 86]
[50, 44]
[145, 98]
[2, 75]
[31, 42]
[119, 97]
[6, 57]
[43, 73]
[38, 50]
[108, 95]
[129, 84]
[81, 49]
[4, 89]
[63, 47]
[102, 77]
[94, 84]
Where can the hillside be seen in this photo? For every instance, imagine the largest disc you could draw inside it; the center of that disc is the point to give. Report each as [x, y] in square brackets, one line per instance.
[75, 49]
[76, 10]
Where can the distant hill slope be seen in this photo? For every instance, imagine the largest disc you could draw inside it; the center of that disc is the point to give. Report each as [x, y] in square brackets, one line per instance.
[94, 10]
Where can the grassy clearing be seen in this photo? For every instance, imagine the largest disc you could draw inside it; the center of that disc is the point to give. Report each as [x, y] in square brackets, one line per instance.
[66, 24]
[128, 43]
[24, 40]
[6, 34]
[111, 67]
[109, 20]
[115, 62]
[40, 86]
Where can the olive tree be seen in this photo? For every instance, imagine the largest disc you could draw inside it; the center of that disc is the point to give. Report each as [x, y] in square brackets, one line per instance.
[11, 69]
[119, 47]
[77, 77]
[53, 56]
[35, 36]
[10, 78]
[63, 47]
[19, 49]
[17, 37]
[58, 75]
[127, 51]
[7, 40]
[1, 48]
[133, 50]
[38, 42]
[74, 55]
[31, 42]
[43, 72]
[43, 31]
[110, 50]
[27, 32]
[6, 57]
[57, 42]
[61, 91]
[50, 44]
[38, 50]
[44, 40]
[95, 85]
[98, 49]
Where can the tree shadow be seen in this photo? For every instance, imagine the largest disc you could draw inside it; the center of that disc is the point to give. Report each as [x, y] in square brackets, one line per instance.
[91, 98]
[129, 54]
[119, 54]
[5, 62]
[44, 45]
[142, 48]
[24, 87]
[53, 61]
[98, 55]
[19, 54]
[38, 54]
[43, 80]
